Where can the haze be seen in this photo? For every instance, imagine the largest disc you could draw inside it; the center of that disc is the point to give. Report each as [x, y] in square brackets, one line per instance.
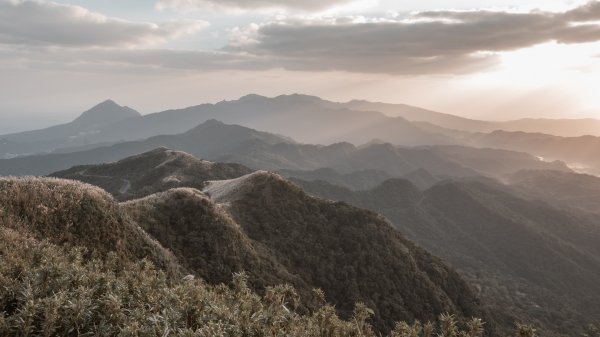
[492, 60]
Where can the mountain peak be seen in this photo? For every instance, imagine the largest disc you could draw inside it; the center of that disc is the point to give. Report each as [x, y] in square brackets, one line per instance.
[296, 97]
[108, 102]
[106, 112]
[223, 191]
[251, 97]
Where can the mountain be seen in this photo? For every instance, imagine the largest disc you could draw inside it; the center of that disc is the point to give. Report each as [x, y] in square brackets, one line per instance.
[358, 180]
[76, 133]
[351, 254]
[524, 257]
[564, 127]
[74, 214]
[207, 241]
[563, 189]
[581, 153]
[265, 225]
[308, 119]
[105, 113]
[416, 114]
[75, 263]
[396, 161]
[151, 172]
[305, 118]
[422, 179]
[220, 142]
[212, 139]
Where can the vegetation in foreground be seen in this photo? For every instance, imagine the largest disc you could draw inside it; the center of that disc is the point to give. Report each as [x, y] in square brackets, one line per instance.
[47, 290]
[125, 284]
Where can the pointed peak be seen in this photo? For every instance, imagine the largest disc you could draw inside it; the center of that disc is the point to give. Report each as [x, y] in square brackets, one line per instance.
[106, 112]
[108, 102]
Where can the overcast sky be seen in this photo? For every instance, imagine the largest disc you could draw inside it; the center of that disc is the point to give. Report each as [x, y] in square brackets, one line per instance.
[493, 59]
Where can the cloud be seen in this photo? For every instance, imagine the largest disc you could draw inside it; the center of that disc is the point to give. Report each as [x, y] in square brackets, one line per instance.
[134, 61]
[588, 12]
[427, 42]
[433, 42]
[309, 5]
[37, 23]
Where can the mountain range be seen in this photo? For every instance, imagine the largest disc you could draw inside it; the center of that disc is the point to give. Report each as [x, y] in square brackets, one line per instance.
[523, 256]
[308, 119]
[408, 212]
[259, 223]
[562, 189]
[220, 142]
[486, 230]
[566, 127]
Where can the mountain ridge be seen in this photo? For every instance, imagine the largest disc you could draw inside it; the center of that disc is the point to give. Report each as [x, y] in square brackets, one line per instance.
[514, 251]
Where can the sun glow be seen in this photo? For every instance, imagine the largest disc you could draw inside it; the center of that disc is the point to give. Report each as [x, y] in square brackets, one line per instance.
[573, 68]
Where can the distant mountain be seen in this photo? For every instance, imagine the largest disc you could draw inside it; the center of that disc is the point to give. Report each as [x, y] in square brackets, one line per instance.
[416, 114]
[308, 119]
[76, 133]
[210, 140]
[220, 142]
[305, 118]
[564, 127]
[361, 180]
[560, 127]
[563, 189]
[151, 172]
[358, 180]
[422, 179]
[580, 153]
[524, 257]
[396, 161]
[263, 221]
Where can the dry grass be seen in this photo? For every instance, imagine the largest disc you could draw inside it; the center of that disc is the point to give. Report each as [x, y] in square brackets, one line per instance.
[76, 214]
[73, 264]
[46, 290]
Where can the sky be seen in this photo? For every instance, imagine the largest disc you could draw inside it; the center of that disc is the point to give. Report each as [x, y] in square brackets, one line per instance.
[493, 59]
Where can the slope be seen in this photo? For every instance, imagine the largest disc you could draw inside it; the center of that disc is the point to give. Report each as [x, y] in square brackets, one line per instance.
[305, 118]
[352, 254]
[220, 142]
[75, 214]
[564, 127]
[75, 133]
[150, 172]
[581, 153]
[526, 258]
[264, 224]
[562, 189]
[208, 140]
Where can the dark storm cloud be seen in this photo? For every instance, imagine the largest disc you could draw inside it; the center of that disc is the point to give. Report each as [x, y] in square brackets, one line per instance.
[38, 23]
